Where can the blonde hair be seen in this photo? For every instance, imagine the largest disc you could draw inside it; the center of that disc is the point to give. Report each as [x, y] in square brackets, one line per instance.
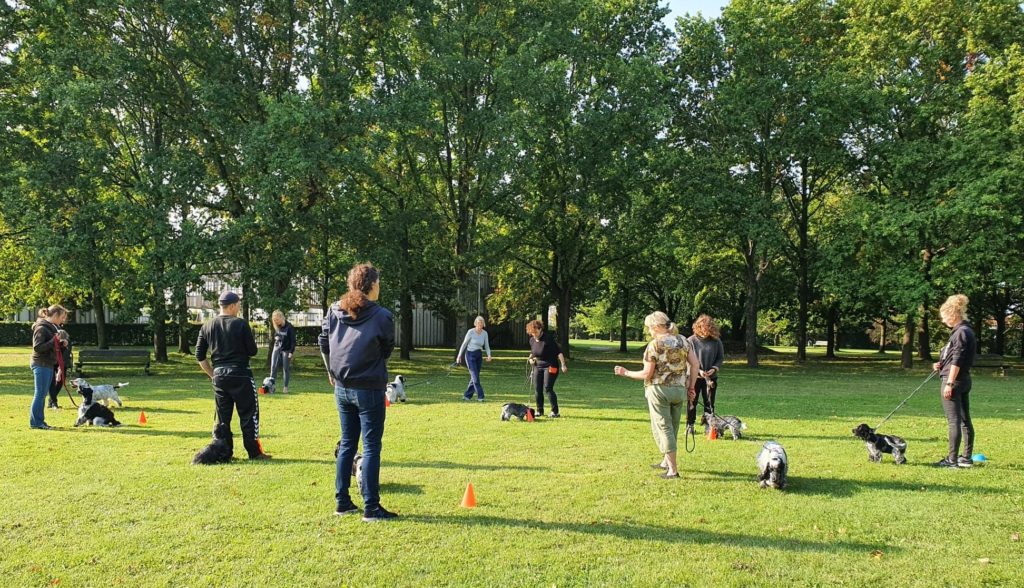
[277, 314]
[479, 319]
[705, 327]
[658, 318]
[51, 312]
[955, 305]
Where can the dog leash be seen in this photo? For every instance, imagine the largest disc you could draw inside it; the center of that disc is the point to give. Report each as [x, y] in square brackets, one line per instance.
[63, 369]
[900, 405]
[447, 372]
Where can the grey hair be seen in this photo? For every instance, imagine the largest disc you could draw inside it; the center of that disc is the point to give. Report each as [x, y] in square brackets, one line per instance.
[479, 319]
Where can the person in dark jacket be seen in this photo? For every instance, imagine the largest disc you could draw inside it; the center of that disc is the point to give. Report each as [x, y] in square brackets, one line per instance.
[954, 367]
[228, 340]
[357, 339]
[60, 377]
[545, 355]
[706, 343]
[284, 348]
[46, 344]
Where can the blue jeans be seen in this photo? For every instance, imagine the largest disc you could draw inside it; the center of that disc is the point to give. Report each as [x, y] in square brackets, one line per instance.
[360, 411]
[474, 359]
[43, 377]
[279, 359]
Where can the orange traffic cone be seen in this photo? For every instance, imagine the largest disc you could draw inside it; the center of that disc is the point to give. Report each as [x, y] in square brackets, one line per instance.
[469, 499]
[142, 418]
[387, 401]
[713, 433]
[529, 415]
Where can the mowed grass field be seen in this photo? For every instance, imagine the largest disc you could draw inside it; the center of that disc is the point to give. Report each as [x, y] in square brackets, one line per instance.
[566, 502]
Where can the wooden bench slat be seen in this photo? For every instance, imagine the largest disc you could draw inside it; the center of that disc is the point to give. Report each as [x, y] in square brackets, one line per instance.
[113, 357]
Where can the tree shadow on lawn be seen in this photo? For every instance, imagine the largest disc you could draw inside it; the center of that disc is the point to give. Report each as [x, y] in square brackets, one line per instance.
[448, 465]
[681, 535]
[844, 488]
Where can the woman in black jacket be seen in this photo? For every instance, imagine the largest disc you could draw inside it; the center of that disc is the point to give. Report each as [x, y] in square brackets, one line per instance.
[46, 344]
[357, 339]
[544, 354]
[955, 363]
[284, 348]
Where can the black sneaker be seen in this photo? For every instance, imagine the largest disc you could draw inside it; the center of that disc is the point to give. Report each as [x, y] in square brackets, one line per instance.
[53, 405]
[381, 514]
[945, 463]
[346, 508]
[479, 399]
[553, 415]
[964, 462]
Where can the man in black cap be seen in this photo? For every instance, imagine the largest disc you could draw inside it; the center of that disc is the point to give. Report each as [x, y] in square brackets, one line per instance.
[229, 340]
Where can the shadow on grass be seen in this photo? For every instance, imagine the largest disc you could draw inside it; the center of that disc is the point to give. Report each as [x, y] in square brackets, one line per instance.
[680, 535]
[448, 465]
[844, 488]
[149, 431]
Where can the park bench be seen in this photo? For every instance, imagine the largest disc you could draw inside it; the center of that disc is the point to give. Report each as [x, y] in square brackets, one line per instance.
[1001, 368]
[819, 343]
[112, 357]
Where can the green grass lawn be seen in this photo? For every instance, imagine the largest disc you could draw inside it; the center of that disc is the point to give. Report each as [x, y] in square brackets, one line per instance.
[566, 502]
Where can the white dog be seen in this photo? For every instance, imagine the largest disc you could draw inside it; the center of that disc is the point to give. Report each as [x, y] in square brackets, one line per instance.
[104, 393]
[396, 390]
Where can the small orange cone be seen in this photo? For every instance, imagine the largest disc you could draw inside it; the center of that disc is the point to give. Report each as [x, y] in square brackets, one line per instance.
[713, 433]
[142, 418]
[529, 416]
[387, 401]
[469, 499]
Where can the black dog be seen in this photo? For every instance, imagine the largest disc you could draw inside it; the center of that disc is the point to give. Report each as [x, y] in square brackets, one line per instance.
[512, 409]
[95, 413]
[879, 444]
[218, 451]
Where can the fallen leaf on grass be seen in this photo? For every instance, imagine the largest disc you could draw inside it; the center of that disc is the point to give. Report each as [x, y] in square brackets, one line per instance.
[740, 566]
[877, 554]
[842, 530]
[984, 560]
[54, 581]
[1015, 537]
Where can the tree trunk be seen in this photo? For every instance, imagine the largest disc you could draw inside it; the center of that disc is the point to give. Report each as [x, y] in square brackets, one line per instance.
[750, 318]
[924, 340]
[907, 350]
[181, 296]
[882, 337]
[405, 319]
[562, 326]
[999, 314]
[159, 322]
[738, 327]
[831, 318]
[624, 322]
[100, 312]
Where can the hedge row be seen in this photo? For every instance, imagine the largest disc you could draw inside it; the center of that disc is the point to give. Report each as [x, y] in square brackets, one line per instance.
[137, 335]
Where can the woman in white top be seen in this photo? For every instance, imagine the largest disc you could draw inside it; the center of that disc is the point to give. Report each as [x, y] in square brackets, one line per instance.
[472, 349]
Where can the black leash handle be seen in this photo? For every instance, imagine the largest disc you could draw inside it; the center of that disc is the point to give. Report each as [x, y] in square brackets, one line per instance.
[900, 405]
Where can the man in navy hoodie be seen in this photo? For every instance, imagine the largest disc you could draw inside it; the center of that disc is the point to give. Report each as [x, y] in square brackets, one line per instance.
[357, 339]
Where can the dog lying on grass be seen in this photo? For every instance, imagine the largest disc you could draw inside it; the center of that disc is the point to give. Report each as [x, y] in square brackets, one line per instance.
[512, 410]
[772, 464]
[722, 423]
[104, 393]
[96, 414]
[879, 444]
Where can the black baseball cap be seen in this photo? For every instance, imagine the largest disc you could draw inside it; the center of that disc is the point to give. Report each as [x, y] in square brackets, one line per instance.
[228, 298]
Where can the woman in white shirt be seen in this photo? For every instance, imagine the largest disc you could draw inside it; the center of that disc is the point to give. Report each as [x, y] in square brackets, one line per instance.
[473, 346]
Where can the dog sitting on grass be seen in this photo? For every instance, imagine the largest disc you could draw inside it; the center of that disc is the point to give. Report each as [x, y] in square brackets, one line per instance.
[512, 410]
[721, 423]
[773, 464]
[218, 451]
[879, 444]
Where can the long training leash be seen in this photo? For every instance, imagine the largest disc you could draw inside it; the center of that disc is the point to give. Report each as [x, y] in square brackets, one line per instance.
[447, 372]
[63, 369]
[900, 405]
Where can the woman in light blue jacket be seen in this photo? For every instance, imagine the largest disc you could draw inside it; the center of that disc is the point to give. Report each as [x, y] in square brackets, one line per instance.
[473, 346]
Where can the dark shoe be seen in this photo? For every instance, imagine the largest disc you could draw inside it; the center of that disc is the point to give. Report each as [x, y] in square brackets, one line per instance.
[553, 415]
[945, 463]
[964, 462]
[668, 476]
[467, 399]
[658, 466]
[44, 427]
[689, 429]
[381, 514]
[260, 457]
[346, 508]
[479, 399]
[52, 405]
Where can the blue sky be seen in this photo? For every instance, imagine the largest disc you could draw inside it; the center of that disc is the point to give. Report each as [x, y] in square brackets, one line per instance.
[709, 8]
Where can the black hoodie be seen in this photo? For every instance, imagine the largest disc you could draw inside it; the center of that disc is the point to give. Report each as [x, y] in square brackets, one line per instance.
[357, 349]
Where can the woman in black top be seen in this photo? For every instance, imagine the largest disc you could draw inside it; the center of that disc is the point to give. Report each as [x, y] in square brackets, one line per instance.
[284, 348]
[955, 363]
[544, 353]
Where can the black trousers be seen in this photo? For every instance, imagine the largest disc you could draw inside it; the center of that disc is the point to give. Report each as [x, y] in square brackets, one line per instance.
[235, 389]
[706, 394]
[54, 388]
[958, 418]
[544, 381]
